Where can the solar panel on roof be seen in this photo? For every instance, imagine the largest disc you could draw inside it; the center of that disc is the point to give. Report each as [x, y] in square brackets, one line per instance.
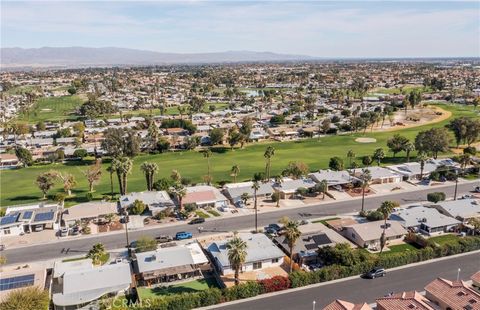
[46, 216]
[27, 215]
[321, 239]
[16, 282]
[311, 246]
[9, 219]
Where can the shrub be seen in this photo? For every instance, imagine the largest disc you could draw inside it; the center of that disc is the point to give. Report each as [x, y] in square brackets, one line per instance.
[137, 207]
[245, 290]
[470, 150]
[374, 215]
[277, 283]
[436, 197]
[89, 196]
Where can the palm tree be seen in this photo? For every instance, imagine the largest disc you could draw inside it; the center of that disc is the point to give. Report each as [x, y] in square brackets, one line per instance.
[323, 187]
[149, 169]
[422, 157]
[180, 192]
[237, 255]
[125, 168]
[379, 154]
[207, 154]
[464, 161]
[408, 148]
[234, 172]
[255, 187]
[176, 176]
[365, 179]
[96, 253]
[350, 156]
[111, 171]
[278, 182]
[269, 153]
[386, 209]
[291, 233]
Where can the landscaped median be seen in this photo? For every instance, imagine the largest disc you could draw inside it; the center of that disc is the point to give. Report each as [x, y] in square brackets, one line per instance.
[354, 262]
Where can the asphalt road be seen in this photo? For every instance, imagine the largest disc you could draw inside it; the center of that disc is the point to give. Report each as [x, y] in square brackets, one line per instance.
[363, 290]
[70, 247]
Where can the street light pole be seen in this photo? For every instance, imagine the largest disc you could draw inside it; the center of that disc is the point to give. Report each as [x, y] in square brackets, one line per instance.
[314, 302]
[458, 274]
[456, 185]
[126, 230]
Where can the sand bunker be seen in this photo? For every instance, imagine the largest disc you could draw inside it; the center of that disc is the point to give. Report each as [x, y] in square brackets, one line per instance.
[365, 140]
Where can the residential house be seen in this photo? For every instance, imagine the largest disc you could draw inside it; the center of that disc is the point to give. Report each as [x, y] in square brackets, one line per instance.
[170, 263]
[8, 161]
[405, 301]
[314, 236]
[79, 284]
[462, 209]
[381, 175]
[234, 191]
[288, 187]
[345, 305]
[156, 201]
[412, 171]
[261, 253]
[333, 178]
[476, 281]
[205, 196]
[88, 211]
[18, 220]
[16, 277]
[424, 220]
[452, 295]
[367, 235]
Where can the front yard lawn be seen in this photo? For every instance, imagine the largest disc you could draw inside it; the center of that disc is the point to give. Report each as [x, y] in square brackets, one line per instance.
[187, 287]
[401, 248]
[202, 214]
[444, 239]
[324, 222]
[214, 213]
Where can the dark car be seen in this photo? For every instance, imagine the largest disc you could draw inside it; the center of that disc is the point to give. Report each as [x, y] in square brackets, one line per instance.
[198, 220]
[163, 239]
[375, 273]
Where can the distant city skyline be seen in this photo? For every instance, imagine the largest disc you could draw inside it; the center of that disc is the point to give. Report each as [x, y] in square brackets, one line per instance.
[315, 28]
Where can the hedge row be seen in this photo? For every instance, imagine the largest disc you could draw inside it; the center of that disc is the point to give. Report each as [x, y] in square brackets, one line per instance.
[214, 296]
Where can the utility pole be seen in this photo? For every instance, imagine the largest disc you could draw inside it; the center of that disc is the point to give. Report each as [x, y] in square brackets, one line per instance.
[126, 231]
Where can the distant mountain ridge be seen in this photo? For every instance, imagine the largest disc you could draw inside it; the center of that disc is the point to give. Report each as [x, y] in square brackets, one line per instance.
[71, 57]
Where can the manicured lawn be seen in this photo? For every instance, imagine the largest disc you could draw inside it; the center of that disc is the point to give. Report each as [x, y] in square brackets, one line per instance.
[53, 109]
[396, 91]
[202, 214]
[401, 248]
[214, 213]
[444, 238]
[187, 287]
[18, 186]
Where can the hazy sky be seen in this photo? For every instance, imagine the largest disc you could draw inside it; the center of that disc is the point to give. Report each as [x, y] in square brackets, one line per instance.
[317, 28]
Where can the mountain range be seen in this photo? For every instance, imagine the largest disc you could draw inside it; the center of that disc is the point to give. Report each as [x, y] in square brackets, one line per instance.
[74, 57]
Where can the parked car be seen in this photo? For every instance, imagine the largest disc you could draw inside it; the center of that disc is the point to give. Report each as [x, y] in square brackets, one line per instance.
[2, 247]
[375, 273]
[303, 222]
[183, 235]
[275, 227]
[239, 204]
[163, 239]
[198, 220]
[467, 196]
[477, 189]
[63, 231]
[75, 231]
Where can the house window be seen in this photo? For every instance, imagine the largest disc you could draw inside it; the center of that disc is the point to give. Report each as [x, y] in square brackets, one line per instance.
[6, 231]
[257, 265]
[353, 235]
[275, 260]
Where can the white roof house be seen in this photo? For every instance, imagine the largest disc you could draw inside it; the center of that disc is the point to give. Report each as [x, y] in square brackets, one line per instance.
[261, 253]
[85, 284]
[382, 175]
[155, 200]
[235, 190]
[368, 234]
[462, 209]
[412, 170]
[332, 177]
[424, 219]
[89, 210]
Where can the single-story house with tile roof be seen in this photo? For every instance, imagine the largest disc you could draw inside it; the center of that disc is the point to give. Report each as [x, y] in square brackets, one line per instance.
[333, 177]
[80, 283]
[9, 161]
[261, 253]
[367, 235]
[205, 196]
[405, 301]
[461, 209]
[288, 187]
[234, 191]
[155, 200]
[88, 211]
[476, 281]
[339, 304]
[381, 175]
[170, 263]
[452, 295]
[425, 220]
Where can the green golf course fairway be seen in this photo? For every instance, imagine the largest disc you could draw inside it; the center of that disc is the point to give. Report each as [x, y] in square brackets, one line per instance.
[18, 186]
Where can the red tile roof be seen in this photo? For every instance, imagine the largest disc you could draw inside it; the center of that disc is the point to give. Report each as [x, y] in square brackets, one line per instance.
[404, 301]
[199, 197]
[476, 277]
[345, 305]
[455, 294]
